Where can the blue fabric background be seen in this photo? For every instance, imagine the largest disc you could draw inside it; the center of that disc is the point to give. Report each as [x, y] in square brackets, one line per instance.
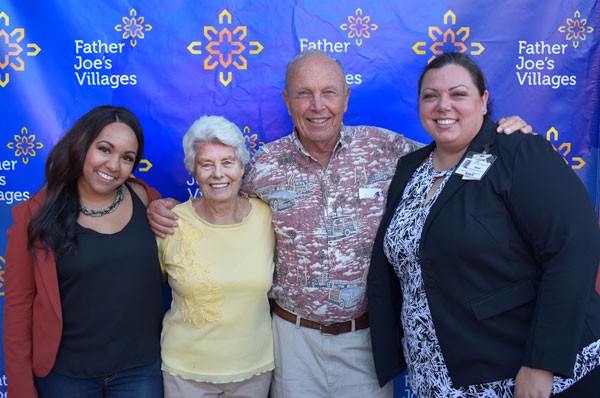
[175, 61]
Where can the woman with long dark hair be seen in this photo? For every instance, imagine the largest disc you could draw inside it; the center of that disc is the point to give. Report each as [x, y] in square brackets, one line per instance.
[83, 303]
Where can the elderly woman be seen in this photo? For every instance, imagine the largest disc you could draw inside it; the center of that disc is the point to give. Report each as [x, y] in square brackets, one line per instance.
[483, 269]
[217, 337]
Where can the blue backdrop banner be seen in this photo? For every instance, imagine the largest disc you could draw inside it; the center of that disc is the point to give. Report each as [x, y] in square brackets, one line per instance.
[171, 62]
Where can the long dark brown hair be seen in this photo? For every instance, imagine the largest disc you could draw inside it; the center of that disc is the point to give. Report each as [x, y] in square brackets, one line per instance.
[53, 226]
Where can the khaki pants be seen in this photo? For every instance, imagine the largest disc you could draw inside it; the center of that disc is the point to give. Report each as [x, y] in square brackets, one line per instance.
[254, 387]
[309, 364]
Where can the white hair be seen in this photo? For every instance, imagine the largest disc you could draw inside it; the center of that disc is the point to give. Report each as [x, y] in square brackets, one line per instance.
[215, 129]
[305, 54]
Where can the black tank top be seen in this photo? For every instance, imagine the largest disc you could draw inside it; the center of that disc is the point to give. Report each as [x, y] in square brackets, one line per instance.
[111, 296]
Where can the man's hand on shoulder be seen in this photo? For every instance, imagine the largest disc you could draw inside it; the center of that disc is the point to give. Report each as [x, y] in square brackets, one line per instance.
[161, 218]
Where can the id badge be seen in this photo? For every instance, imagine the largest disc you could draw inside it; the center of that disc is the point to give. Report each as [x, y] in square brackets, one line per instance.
[475, 165]
[366, 193]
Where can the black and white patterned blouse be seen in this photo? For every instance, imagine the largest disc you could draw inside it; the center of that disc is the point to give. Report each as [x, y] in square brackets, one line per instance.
[426, 367]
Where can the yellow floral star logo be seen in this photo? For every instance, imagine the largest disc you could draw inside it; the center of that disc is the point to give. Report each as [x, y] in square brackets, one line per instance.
[564, 150]
[11, 50]
[226, 48]
[133, 27]
[252, 143]
[359, 26]
[448, 38]
[24, 145]
[576, 29]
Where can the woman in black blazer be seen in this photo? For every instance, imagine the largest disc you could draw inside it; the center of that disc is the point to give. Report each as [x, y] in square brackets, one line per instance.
[482, 274]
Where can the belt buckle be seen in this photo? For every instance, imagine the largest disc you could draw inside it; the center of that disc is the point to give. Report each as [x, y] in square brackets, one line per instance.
[335, 326]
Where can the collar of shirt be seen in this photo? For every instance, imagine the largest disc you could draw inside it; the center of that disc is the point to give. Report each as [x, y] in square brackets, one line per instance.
[341, 142]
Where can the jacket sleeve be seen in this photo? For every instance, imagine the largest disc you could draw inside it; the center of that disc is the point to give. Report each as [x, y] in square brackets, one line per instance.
[555, 214]
[385, 301]
[384, 319]
[19, 293]
[152, 193]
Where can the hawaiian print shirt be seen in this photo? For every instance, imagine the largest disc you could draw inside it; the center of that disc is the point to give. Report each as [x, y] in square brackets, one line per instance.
[326, 219]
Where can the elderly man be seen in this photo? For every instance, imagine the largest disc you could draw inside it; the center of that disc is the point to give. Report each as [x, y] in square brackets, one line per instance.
[326, 184]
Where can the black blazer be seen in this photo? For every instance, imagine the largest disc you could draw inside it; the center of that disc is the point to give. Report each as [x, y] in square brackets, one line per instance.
[509, 261]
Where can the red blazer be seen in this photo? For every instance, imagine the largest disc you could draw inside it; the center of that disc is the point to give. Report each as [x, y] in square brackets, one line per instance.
[32, 307]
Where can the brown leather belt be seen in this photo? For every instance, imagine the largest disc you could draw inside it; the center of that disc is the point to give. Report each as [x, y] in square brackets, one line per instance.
[362, 322]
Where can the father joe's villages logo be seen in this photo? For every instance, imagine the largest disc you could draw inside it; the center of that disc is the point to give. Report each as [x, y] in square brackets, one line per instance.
[94, 59]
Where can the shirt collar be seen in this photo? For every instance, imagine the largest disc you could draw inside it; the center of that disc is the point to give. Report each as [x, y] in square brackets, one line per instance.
[341, 143]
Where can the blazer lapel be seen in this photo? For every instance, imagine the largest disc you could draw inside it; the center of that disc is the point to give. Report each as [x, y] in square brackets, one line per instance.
[484, 139]
[404, 171]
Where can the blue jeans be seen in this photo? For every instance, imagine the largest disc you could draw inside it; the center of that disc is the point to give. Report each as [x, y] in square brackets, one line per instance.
[140, 382]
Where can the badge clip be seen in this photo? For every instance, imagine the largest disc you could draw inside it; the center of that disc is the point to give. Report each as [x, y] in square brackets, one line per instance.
[475, 165]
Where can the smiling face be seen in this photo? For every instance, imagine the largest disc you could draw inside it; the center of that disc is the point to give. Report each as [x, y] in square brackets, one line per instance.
[218, 172]
[108, 161]
[450, 107]
[316, 97]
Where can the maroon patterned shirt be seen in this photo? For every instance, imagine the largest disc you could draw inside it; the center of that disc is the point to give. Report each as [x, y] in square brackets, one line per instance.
[326, 219]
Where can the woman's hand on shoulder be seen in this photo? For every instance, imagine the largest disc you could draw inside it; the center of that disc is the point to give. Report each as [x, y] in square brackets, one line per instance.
[533, 383]
[510, 124]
